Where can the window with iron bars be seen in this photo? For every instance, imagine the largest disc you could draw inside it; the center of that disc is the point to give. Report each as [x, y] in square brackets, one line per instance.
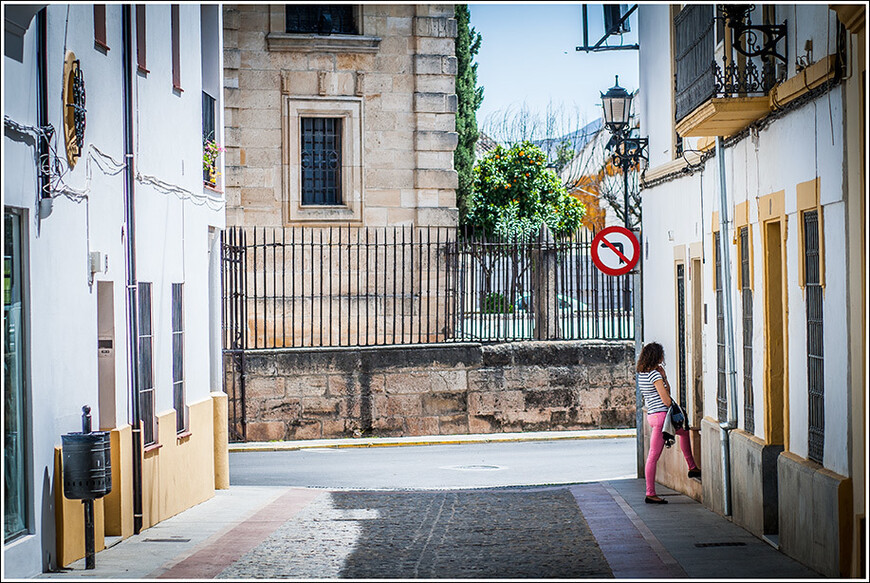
[320, 19]
[178, 401]
[721, 400]
[815, 339]
[146, 366]
[321, 160]
[746, 296]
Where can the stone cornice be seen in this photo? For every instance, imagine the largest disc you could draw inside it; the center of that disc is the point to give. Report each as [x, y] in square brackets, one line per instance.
[316, 43]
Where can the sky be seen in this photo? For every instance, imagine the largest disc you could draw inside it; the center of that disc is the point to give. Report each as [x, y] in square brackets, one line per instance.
[528, 56]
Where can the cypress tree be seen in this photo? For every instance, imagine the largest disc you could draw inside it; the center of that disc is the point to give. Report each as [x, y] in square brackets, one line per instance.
[469, 97]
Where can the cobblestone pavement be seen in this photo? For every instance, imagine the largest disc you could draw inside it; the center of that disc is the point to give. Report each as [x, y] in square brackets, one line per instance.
[569, 531]
[451, 534]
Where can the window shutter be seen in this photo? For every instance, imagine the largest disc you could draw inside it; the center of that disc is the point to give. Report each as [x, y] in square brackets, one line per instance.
[100, 26]
[140, 38]
[176, 51]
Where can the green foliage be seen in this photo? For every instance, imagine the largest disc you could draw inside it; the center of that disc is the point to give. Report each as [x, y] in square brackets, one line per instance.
[469, 98]
[514, 193]
[496, 303]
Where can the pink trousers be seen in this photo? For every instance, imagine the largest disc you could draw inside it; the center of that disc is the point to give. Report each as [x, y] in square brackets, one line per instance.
[657, 444]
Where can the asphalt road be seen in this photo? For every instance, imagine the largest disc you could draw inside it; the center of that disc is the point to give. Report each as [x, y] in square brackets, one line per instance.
[471, 465]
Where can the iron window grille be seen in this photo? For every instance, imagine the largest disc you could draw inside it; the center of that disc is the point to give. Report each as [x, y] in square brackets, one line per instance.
[320, 19]
[209, 168]
[721, 400]
[694, 43]
[746, 296]
[815, 339]
[321, 160]
[178, 356]
[681, 330]
[146, 365]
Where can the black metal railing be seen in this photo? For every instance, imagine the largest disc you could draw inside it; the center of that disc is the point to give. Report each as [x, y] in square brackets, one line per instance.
[747, 69]
[366, 286]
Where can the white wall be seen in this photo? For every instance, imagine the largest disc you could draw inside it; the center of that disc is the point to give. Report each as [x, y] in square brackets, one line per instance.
[655, 105]
[797, 147]
[172, 231]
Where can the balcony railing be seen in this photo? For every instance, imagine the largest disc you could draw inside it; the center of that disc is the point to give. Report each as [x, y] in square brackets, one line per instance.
[746, 67]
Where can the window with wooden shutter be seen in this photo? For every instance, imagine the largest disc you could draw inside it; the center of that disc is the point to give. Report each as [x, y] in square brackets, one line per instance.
[140, 38]
[176, 49]
[100, 27]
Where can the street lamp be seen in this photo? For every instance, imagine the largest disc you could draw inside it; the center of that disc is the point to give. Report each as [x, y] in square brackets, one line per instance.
[627, 150]
[617, 108]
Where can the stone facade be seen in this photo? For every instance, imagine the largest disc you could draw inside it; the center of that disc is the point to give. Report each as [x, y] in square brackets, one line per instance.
[393, 87]
[438, 389]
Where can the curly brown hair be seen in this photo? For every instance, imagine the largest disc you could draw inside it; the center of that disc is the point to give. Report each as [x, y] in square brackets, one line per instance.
[651, 356]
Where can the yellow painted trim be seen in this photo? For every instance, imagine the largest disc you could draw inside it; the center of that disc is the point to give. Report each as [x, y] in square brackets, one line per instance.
[695, 250]
[808, 79]
[741, 214]
[771, 206]
[70, 520]
[221, 441]
[723, 116]
[714, 228]
[119, 502]
[851, 15]
[679, 252]
[770, 408]
[808, 200]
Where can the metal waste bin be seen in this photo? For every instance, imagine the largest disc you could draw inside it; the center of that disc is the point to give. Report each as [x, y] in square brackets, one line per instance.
[87, 465]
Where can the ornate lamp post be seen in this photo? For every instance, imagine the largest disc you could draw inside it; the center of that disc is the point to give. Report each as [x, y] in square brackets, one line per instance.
[627, 150]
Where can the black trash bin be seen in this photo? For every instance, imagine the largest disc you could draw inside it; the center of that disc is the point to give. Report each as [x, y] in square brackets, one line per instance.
[87, 465]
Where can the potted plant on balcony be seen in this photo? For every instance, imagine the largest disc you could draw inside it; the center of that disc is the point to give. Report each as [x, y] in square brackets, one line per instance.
[210, 152]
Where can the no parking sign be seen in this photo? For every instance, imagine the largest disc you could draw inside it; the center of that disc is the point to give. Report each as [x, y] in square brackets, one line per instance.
[615, 250]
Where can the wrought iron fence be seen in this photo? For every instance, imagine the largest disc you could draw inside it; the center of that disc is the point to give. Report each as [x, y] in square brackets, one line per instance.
[364, 286]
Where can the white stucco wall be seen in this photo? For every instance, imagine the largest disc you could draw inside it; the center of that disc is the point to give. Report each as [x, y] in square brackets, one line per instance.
[172, 235]
[655, 105]
[797, 147]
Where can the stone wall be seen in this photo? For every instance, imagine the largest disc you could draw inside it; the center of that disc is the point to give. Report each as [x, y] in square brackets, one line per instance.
[438, 389]
[393, 85]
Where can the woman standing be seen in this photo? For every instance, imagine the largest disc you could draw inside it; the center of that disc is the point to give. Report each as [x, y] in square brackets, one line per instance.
[654, 386]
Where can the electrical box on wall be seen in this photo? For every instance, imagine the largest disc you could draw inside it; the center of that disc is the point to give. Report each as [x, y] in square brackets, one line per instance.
[106, 347]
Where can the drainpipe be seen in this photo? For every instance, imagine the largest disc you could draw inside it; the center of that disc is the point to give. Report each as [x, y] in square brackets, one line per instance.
[731, 370]
[130, 247]
[45, 202]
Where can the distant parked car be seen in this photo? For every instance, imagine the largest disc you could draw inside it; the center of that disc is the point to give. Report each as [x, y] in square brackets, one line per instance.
[566, 303]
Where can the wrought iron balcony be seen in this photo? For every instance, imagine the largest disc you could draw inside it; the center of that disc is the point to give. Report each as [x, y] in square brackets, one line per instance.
[721, 98]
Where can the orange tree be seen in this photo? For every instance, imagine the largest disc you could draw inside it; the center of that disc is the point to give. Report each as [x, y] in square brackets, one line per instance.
[513, 194]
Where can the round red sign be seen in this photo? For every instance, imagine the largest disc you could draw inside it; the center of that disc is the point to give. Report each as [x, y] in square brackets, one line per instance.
[615, 250]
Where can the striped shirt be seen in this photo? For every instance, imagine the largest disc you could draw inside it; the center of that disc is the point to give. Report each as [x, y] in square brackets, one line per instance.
[652, 400]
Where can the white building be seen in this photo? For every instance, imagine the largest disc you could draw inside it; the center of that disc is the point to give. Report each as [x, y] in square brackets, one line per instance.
[765, 335]
[111, 265]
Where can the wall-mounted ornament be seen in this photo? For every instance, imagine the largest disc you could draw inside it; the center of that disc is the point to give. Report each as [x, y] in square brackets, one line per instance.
[74, 112]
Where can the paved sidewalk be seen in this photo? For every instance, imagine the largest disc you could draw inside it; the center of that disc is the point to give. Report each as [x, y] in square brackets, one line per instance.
[430, 439]
[599, 529]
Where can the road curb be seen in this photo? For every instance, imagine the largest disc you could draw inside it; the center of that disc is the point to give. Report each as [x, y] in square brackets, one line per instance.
[429, 440]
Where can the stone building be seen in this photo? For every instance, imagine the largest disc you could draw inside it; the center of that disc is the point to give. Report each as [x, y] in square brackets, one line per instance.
[340, 115]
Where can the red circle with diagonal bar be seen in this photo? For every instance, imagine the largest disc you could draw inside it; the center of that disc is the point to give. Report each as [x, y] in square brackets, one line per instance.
[615, 250]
